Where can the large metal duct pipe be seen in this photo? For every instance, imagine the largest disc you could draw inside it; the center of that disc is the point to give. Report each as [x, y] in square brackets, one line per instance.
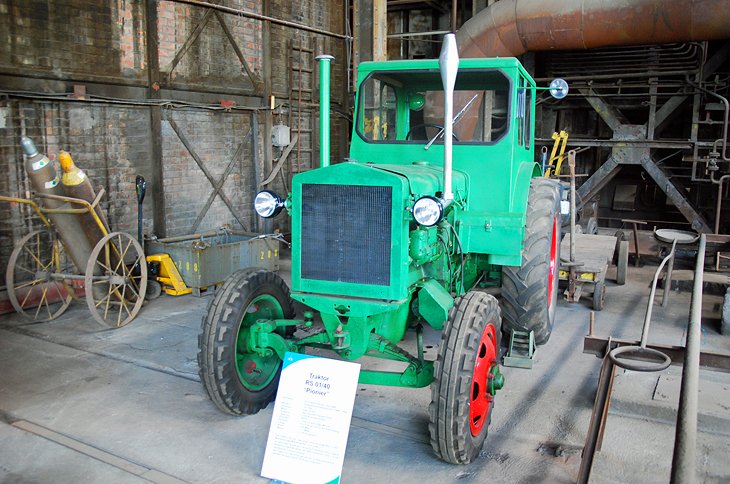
[513, 27]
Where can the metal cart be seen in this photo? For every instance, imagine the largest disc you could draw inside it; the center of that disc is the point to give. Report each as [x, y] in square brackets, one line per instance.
[42, 280]
[593, 254]
[590, 255]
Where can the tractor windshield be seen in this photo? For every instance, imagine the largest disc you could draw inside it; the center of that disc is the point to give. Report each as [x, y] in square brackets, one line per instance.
[407, 107]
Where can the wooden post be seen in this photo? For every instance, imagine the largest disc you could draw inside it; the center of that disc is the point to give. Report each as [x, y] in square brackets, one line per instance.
[153, 92]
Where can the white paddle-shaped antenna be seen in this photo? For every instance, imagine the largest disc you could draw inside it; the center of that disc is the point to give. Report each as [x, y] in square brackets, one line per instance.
[449, 66]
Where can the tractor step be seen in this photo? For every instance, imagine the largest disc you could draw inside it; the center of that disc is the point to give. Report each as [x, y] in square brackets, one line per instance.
[521, 349]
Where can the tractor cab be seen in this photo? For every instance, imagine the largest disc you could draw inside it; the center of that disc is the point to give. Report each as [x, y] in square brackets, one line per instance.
[401, 103]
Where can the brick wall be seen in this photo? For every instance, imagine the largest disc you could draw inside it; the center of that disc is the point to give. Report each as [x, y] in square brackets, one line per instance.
[211, 60]
[215, 137]
[110, 143]
[61, 38]
[310, 12]
[49, 46]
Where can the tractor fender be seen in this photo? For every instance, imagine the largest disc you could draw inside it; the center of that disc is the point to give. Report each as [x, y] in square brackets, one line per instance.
[434, 303]
[525, 172]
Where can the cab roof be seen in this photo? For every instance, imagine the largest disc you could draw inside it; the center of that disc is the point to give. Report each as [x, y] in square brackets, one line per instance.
[505, 63]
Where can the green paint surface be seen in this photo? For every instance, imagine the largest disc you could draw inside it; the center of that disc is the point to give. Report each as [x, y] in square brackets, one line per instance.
[396, 115]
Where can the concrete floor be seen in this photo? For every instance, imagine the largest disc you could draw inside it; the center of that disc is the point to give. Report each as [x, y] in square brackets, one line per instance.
[81, 404]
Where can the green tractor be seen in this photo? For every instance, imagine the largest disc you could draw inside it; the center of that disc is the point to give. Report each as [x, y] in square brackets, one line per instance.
[400, 235]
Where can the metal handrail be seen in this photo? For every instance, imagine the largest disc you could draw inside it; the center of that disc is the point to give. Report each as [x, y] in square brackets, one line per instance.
[40, 211]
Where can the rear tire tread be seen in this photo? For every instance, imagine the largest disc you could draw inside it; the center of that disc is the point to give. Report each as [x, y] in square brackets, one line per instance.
[524, 288]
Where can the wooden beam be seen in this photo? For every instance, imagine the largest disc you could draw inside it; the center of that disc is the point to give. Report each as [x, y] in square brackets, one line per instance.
[255, 80]
[267, 92]
[157, 186]
[370, 41]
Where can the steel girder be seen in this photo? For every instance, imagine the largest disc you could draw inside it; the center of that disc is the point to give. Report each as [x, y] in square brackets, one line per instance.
[631, 146]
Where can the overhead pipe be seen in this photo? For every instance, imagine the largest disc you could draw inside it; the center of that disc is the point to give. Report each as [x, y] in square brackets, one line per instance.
[726, 121]
[513, 27]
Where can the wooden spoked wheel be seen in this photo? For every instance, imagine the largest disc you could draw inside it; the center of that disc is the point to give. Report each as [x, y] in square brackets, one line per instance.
[34, 277]
[116, 280]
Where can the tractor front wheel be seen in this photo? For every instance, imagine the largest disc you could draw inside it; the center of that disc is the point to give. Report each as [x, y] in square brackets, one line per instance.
[239, 380]
[466, 377]
[530, 291]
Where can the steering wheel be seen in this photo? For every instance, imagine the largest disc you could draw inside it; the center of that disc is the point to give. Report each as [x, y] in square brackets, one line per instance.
[428, 125]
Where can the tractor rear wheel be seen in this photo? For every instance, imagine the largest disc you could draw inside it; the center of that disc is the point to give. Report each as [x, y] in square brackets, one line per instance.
[238, 380]
[466, 377]
[530, 292]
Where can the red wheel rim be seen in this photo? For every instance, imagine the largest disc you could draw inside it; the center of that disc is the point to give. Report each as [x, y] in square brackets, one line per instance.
[553, 263]
[480, 402]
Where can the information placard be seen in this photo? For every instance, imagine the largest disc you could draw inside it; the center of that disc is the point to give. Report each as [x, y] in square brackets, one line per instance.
[311, 420]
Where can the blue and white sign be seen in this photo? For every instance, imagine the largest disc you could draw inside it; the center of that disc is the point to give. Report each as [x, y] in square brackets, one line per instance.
[311, 420]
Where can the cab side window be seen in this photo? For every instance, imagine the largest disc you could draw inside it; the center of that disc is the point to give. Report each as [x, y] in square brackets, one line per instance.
[378, 116]
[524, 113]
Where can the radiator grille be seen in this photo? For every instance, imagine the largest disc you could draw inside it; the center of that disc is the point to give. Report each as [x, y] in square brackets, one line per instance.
[346, 233]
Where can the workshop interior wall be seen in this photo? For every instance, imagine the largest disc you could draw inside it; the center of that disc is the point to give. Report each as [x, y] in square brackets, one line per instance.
[76, 75]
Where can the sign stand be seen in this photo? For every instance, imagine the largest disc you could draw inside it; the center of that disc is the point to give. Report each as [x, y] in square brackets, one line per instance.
[311, 420]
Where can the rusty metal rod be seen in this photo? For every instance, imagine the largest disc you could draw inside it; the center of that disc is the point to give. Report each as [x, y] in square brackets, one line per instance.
[210, 233]
[600, 409]
[685, 439]
[453, 15]
[61, 276]
[604, 417]
[571, 164]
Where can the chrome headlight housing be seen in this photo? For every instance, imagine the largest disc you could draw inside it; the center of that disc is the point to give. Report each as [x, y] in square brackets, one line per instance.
[428, 211]
[268, 204]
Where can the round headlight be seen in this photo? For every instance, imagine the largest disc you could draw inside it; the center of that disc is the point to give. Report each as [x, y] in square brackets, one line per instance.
[428, 211]
[268, 204]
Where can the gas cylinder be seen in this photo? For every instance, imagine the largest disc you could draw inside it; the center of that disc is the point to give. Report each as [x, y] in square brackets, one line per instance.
[76, 184]
[45, 181]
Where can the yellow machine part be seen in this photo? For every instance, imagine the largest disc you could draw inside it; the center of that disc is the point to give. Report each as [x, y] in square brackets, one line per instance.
[169, 276]
[558, 153]
[582, 276]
